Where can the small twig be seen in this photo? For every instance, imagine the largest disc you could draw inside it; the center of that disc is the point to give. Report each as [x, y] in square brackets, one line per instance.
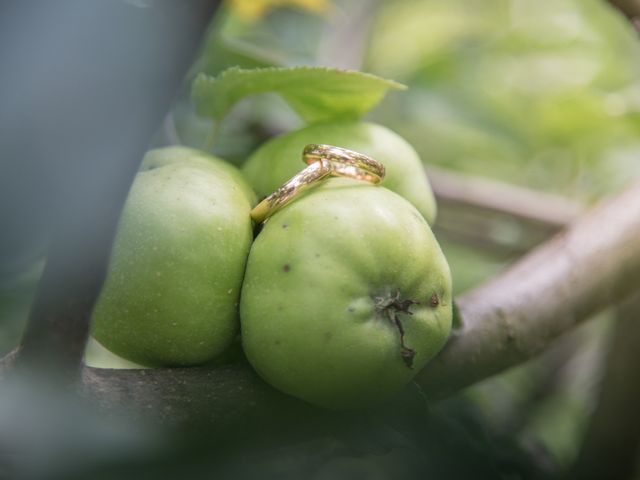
[170, 131]
[7, 363]
[522, 204]
[501, 219]
[212, 137]
[612, 440]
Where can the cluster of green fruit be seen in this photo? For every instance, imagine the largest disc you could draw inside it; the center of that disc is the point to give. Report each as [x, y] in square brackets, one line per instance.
[342, 297]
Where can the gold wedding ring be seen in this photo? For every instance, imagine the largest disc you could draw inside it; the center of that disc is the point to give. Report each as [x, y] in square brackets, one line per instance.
[345, 163]
[323, 161]
[311, 175]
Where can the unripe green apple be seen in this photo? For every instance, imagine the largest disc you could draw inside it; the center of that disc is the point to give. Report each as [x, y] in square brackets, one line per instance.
[173, 283]
[280, 158]
[346, 295]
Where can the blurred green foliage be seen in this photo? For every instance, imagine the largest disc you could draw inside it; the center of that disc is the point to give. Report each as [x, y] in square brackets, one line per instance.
[543, 94]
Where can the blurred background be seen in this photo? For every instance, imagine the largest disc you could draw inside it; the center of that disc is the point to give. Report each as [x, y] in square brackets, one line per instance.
[541, 96]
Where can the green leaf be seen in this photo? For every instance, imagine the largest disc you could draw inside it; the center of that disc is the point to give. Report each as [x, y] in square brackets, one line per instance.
[316, 93]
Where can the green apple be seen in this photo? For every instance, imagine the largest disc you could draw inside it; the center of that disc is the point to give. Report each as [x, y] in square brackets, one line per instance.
[281, 157]
[346, 295]
[173, 284]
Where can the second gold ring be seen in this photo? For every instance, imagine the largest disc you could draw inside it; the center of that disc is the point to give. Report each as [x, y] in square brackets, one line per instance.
[345, 162]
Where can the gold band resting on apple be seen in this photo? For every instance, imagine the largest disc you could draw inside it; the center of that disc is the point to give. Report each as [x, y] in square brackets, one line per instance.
[345, 163]
[323, 161]
[308, 177]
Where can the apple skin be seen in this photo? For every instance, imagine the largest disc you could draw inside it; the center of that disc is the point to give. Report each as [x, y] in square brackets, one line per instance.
[280, 158]
[171, 293]
[317, 276]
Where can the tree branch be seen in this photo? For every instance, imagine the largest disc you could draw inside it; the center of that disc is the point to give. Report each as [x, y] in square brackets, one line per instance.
[186, 396]
[485, 195]
[612, 440]
[593, 264]
[501, 219]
